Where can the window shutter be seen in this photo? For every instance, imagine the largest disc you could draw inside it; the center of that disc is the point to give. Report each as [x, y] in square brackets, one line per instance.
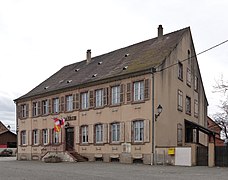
[19, 110]
[77, 101]
[147, 89]
[77, 140]
[129, 86]
[50, 135]
[122, 93]
[128, 131]
[62, 102]
[40, 140]
[39, 108]
[49, 106]
[90, 133]
[27, 110]
[74, 101]
[105, 96]
[122, 132]
[91, 99]
[147, 130]
[105, 133]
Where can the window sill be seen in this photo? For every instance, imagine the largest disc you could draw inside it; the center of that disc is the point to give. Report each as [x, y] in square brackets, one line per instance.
[181, 79]
[84, 144]
[180, 109]
[138, 143]
[188, 113]
[138, 102]
[115, 143]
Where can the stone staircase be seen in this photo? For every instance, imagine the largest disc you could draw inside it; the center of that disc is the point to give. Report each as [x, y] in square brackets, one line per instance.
[78, 157]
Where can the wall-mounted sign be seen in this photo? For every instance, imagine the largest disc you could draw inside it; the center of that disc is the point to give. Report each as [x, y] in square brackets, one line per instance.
[70, 118]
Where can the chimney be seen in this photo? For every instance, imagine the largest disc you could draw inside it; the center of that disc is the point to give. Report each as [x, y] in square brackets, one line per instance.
[160, 31]
[88, 56]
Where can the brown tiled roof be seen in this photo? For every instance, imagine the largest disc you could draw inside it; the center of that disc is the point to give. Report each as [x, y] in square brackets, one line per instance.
[137, 57]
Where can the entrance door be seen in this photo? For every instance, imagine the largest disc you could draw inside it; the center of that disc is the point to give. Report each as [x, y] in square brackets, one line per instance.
[69, 139]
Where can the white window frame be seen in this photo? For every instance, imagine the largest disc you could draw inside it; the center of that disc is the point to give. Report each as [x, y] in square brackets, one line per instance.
[138, 129]
[99, 98]
[188, 105]
[85, 100]
[84, 134]
[180, 100]
[35, 137]
[138, 90]
[56, 105]
[69, 103]
[45, 136]
[115, 95]
[23, 138]
[189, 78]
[115, 132]
[196, 83]
[99, 133]
[196, 108]
[180, 70]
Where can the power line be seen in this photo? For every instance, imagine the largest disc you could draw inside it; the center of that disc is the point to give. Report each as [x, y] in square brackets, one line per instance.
[194, 55]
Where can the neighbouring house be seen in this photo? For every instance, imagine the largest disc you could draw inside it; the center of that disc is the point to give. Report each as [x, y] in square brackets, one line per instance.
[213, 126]
[109, 105]
[7, 138]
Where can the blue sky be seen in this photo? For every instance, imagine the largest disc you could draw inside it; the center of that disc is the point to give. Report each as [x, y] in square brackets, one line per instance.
[37, 38]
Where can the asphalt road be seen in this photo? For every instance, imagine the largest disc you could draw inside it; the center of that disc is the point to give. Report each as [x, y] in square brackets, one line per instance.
[34, 170]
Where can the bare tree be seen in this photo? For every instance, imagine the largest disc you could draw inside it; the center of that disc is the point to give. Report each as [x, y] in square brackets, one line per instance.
[221, 117]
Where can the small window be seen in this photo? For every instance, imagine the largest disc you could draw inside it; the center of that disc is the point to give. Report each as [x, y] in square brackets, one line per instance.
[189, 79]
[115, 132]
[196, 83]
[35, 137]
[84, 134]
[99, 133]
[180, 100]
[35, 109]
[69, 103]
[179, 134]
[23, 137]
[55, 105]
[180, 71]
[24, 110]
[138, 130]
[139, 91]
[115, 95]
[85, 100]
[45, 107]
[55, 137]
[188, 105]
[189, 57]
[45, 136]
[196, 108]
[99, 98]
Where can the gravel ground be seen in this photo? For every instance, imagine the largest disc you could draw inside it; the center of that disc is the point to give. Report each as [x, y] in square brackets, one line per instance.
[35, 170]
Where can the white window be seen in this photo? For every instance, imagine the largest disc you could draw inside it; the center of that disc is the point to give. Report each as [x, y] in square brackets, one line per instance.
[45, 136]
[189, 79]
[35, 109]
[115, 95]
[35, 137]
[84, 131]
[188, 105]
[196, 108]
[139, 91]
[69, 103]
[23, 110]
[99, 133]
[23, 137]
[99, 97]
[115, 132]
[56, 105]
[180, 100]
[85, 100]
[138, 128]
[45, 107]
[55, 138]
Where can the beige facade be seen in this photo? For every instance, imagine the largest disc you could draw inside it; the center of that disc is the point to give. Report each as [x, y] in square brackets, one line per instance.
[112, 118]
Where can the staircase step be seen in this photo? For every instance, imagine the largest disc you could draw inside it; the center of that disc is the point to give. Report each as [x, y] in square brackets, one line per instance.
[78, 157]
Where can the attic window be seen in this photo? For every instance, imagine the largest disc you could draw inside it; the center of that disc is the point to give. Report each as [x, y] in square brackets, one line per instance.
[46, 87]
[60, 81]
[126, 55]
[69, 81]
[99, 63]
[124, 68]
[76, 70]
[94, 75]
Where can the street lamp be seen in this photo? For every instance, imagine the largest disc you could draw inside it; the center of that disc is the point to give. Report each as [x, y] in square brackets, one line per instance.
[159, 110]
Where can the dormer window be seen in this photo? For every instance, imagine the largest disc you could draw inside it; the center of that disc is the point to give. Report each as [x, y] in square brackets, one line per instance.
[46, 87]
[126, 55]
[100, 63]
[94, 75]
[124, 68]
[69, 81]
[76, 70]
